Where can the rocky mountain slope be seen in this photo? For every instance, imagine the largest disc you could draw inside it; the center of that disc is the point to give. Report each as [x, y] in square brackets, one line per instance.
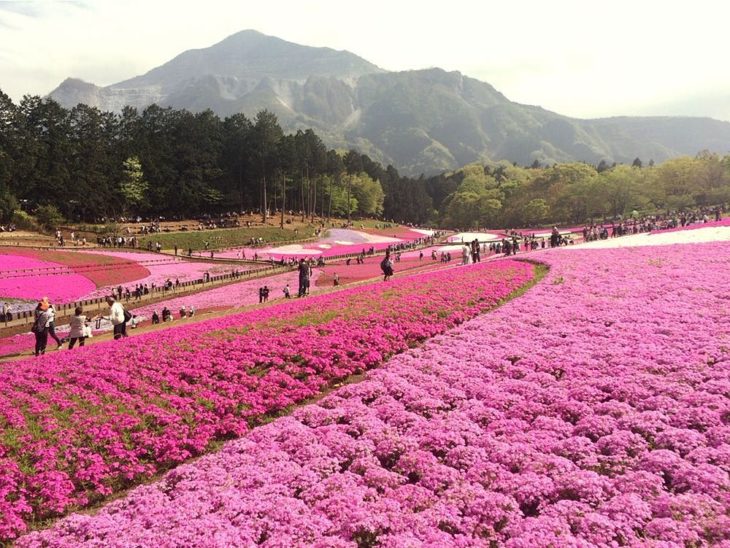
[420, 121]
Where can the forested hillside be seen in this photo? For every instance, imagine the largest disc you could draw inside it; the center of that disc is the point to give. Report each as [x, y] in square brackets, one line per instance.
[90, 164]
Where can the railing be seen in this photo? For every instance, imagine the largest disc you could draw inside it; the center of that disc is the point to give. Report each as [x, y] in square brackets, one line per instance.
[27, 317]
[73, 269]
[268, 267]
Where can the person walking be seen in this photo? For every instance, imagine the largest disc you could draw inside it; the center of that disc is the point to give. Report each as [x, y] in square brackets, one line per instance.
[386, 265]
[79, 328]
[51, 325]
[465, 254]
[304, 271]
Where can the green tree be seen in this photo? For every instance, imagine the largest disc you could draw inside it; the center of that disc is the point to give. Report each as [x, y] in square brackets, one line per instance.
[266, 134]
[49, 216]
[93, 164]
[367, 192]
[133, 187]
[536, 212]
[8, 204]
[236, 161]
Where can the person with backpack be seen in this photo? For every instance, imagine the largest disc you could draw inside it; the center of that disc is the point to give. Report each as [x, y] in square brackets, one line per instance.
[40, 329]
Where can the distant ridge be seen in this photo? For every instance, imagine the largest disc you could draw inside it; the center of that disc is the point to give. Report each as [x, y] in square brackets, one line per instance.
[420, 121]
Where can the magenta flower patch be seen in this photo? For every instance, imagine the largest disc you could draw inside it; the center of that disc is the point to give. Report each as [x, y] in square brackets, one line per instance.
[77, 426]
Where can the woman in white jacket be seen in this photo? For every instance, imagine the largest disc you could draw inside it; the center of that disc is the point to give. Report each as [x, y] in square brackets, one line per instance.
[79, 325]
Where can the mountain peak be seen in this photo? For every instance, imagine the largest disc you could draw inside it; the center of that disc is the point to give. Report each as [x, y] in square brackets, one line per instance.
[421, 121]
[251, 55]
[73, 91]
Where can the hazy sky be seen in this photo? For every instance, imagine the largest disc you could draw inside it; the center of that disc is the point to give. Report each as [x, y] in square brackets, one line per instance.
[583, 58]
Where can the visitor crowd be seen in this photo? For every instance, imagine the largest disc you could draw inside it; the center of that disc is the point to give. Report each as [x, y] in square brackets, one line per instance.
[650, 223]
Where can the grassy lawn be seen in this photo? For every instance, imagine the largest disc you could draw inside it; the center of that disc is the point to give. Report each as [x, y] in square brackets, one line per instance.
[223, 237]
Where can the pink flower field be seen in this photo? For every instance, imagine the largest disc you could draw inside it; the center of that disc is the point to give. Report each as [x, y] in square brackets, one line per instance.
[58, 287]
[91, 274]
[592, 411]
[370, 269]
[337, 242]
[161, 268]
[78, 426]
[230, 296]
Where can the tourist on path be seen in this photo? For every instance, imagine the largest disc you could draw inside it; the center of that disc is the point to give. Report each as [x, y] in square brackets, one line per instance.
[118, 317]
[465, 254]
[40, 329]
[79, 328]
[386, 265]
[304, 275]
[51, 325]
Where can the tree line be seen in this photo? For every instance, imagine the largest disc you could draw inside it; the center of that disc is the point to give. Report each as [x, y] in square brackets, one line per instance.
[505, 195]
[90, 164]
[173, 163]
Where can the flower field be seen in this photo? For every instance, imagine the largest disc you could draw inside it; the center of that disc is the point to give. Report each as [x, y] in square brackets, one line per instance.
[692, 234]
[234, 295]
[593, 411]
[161, 268]
[78, 426]
[230, 296]
[337, 242]
[354, 272]
[81, 274]
[58, 287]
[102, 270]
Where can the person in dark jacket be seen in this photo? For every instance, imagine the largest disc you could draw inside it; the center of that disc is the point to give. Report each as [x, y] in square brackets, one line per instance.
[40, 329]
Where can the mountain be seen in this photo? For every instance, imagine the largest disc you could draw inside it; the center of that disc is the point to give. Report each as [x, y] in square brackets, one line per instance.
[420, 121]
